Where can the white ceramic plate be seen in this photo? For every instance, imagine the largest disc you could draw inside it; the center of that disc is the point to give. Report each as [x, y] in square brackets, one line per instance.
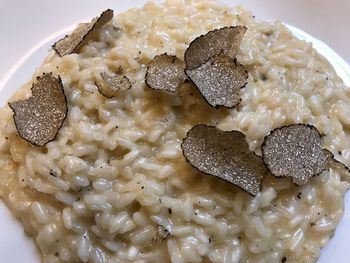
[15, 246]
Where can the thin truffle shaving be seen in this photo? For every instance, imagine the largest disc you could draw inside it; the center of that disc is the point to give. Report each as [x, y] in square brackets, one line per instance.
[166, 72]
[226, 155]
[338, 165]
[112, 84]
[224, 40]
[294, 151]
[82, 34]
[39, 118]
[219, 80]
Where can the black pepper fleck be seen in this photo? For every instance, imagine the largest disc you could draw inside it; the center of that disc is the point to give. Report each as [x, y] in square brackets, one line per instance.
[170, 211]
[299, 195]
[53, 173]
[284, 259]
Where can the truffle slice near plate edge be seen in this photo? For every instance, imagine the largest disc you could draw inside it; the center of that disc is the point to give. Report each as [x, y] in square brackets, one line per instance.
[112, 83]
[166, 73]
[225, 40]
[294, 151]
[219, 80]
[81, 35]
[226, 155]
[39, 118]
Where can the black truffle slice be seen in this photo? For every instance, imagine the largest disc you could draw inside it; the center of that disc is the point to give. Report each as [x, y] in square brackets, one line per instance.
[219, 80]
[112, 84]
[166, 73]
[226, 155]
[82, 34]
[39, 118]
[337, 165]
[295, 151]
[224, 40]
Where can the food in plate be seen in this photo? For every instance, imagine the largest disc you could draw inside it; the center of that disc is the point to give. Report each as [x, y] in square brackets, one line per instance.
[143, 167]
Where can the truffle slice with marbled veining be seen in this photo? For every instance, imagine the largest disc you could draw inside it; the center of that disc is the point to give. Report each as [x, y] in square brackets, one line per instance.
[225, 155]
[82, 34]
[166, 73]
[294, 151]
[219, 80]
[226, 40]
[39, 118]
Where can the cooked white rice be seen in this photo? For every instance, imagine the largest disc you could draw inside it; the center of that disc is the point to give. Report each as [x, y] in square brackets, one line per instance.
[122, 190]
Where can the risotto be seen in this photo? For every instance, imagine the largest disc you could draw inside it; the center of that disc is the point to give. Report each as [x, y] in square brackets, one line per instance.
[114, 185]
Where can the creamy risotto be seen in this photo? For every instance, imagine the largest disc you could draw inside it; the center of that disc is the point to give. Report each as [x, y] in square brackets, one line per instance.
[114, 185]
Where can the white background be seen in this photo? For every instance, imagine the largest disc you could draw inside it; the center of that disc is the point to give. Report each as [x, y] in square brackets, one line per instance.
[26, 24]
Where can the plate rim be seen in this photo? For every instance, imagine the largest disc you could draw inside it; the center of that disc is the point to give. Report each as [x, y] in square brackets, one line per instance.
[341, 67]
